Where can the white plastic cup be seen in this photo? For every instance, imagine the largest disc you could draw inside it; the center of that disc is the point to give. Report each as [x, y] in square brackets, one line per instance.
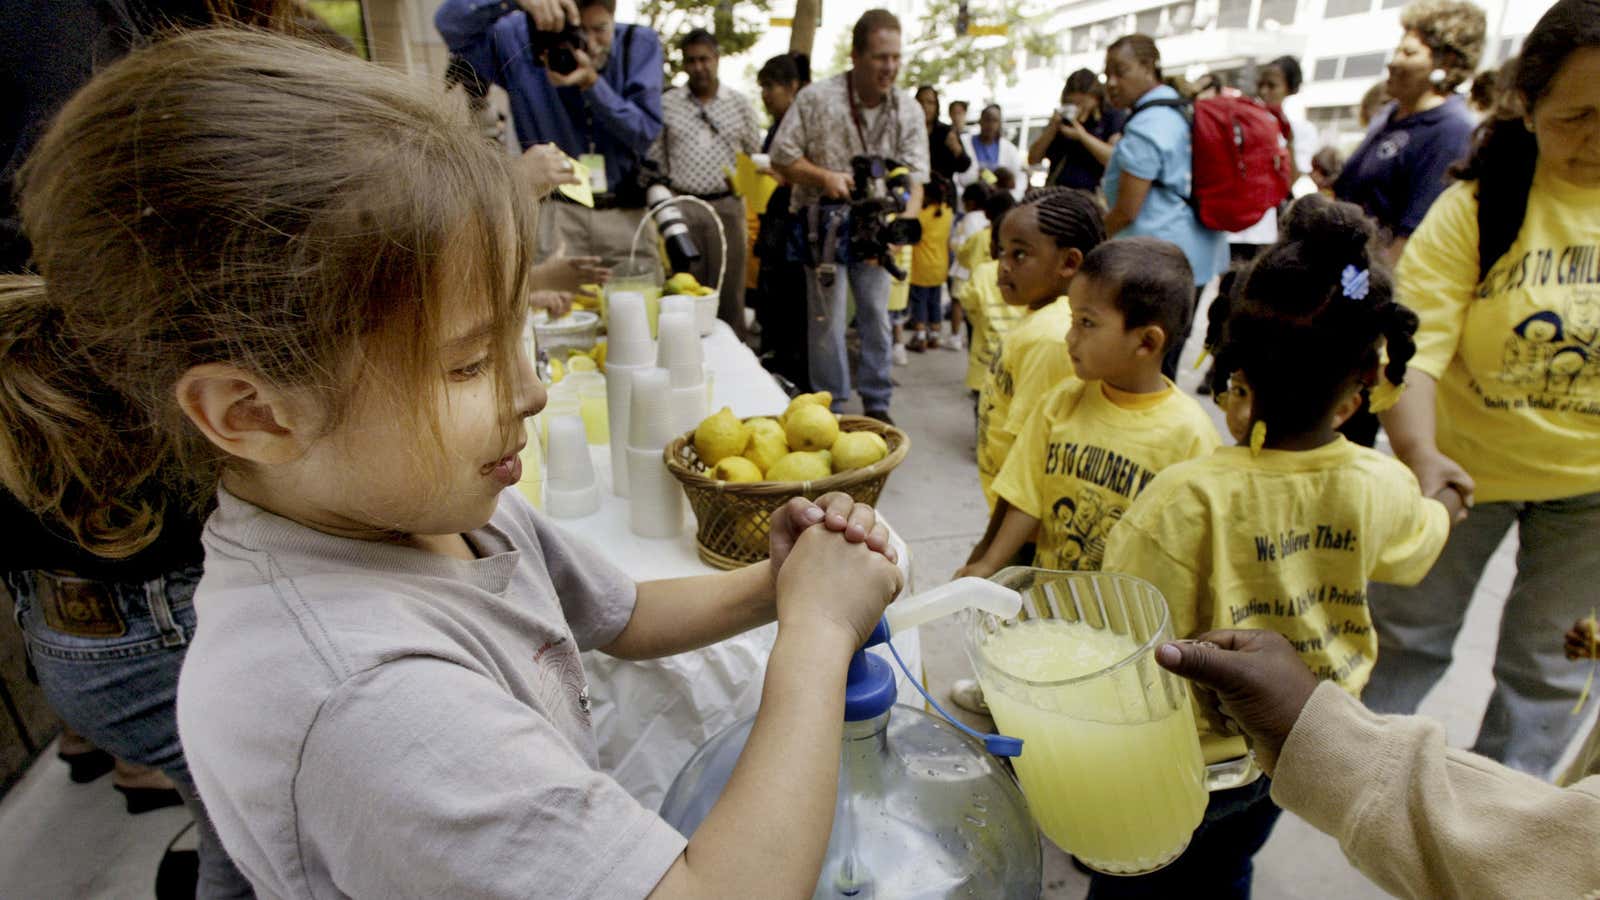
[689, 407]
[677, 303]
[650, 421]
[655, 504]
[626, 318]
[573, 504]
[619, 393]
[569, 467]
[679, 352]
[562, 400]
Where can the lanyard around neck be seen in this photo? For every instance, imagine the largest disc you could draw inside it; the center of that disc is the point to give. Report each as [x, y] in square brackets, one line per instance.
[855, 112]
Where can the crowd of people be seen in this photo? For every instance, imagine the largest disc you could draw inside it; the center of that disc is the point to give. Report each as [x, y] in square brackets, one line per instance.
[262, 387]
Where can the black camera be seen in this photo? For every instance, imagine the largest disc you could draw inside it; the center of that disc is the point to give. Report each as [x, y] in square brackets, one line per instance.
[555, 48]
[882, 189]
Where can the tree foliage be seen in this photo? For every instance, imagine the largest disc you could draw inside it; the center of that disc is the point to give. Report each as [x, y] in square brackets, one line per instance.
[936, 55]
[737, 26]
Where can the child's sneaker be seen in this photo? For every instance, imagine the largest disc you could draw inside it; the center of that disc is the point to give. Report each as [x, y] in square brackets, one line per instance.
[955, 342]
[967, 694]
[899, 355]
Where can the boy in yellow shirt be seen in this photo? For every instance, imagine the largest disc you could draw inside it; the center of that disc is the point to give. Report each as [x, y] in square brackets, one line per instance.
[1094, 443]
[1285, 531]
[1042, 243]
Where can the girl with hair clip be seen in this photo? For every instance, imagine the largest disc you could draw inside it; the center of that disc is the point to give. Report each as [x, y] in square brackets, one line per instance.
[1284, 531]
[293, 284]
[1502, 401]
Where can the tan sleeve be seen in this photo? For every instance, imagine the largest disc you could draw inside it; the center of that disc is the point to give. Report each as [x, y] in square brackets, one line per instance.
[1424, 820]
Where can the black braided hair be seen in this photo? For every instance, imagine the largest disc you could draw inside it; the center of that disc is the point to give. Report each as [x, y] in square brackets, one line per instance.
[1290, 327]
[1068, 216]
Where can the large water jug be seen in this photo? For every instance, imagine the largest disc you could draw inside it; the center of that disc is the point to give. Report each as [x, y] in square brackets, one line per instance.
[1111, 761]
[923, 810]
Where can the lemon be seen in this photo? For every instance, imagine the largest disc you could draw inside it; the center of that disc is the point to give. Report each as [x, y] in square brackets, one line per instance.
[558, 370]
[582, 362]
[598, 354]
[682, 283]
[820, 398]
[811, 427]
[800, 466]
[720, 436]
[857, 450]
[765, 425]
[736, 468]
[766, 448]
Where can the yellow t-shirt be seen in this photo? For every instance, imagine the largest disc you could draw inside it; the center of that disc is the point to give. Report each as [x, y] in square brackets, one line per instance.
[975, 250]
[1285, 541]
[1030, 361]
[1517, 357]
[991, 317]
[930, 258]
[900, 291]
[1082, 457]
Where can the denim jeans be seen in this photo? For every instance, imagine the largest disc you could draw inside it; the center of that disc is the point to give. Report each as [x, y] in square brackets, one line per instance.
[1217, 863]
[121, 692]
[830, 362]
[1529, 721]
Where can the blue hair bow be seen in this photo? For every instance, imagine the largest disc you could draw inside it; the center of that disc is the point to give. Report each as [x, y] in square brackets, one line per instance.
[1354, 282]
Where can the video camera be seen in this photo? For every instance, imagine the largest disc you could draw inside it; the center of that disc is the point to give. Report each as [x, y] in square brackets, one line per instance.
[554, 49]
[882, 189]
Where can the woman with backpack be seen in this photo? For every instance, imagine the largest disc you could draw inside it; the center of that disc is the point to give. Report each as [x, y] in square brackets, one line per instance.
[1149, 177]
[1502, 400]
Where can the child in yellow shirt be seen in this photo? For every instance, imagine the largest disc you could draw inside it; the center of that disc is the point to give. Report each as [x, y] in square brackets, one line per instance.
[1094, 443]
[1042, 243]
[979, 293]
[1284, 531]
[930, 266]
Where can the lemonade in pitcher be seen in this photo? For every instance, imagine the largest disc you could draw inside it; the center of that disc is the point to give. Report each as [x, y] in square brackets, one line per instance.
[1121, 792]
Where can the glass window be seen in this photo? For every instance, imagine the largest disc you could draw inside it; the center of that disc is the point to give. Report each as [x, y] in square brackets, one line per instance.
[1338, 8]
[344, 17]
[1507, 47]
[1233, 13]
[1280, 11]
[1080, 39]
[1148, 22]
[1365, 65]
[1182, 17]
[1326, 69]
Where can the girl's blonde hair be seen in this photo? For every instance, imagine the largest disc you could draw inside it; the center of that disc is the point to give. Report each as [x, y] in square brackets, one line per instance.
[240, 197]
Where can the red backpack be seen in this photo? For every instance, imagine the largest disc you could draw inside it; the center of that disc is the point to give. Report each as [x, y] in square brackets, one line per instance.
[1240, 163]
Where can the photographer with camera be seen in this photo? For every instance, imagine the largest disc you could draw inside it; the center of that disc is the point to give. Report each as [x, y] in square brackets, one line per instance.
[582, 81]
[852, 125]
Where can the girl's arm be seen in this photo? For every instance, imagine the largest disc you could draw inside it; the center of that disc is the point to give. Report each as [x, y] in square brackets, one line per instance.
[1016, 529]
[1411, 428]
[1131, 191]
[676, 615]
[1041, 144]
[767, 834]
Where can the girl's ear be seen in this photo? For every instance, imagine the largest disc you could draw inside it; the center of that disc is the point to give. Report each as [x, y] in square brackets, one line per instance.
[1069, 261]
[1347, 406]
[242, 414]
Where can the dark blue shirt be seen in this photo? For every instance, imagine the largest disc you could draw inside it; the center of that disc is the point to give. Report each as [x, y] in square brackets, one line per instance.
[1071, 163]
[619, 117]
[1402, 167]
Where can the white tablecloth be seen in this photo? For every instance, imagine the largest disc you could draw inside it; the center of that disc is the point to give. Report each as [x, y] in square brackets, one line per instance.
[649, 717]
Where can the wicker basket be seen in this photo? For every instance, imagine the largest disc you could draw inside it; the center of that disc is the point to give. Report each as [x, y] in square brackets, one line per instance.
[734, 517]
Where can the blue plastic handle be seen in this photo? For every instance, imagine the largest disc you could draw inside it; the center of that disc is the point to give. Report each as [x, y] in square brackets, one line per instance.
[998, 744]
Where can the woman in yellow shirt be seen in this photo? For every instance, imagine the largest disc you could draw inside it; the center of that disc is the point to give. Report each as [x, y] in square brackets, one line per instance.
[1503, 400]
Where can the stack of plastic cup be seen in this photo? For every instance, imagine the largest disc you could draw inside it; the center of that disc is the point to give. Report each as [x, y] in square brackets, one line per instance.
[591, 390]
[679, 303]
[655, 502]
[561, 399]
[681, 356]
[570, 489]
[628, 340]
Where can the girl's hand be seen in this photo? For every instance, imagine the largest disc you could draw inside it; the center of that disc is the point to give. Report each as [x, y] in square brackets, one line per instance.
[836, 512]
[570, 273]
[836, 584]
[1255, 677]
[556, 303]
[1073, 130]
[547, 166]
[1582, 640]
[1436, 472]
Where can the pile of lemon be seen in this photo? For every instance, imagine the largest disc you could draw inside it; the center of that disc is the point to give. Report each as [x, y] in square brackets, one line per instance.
[803, 444]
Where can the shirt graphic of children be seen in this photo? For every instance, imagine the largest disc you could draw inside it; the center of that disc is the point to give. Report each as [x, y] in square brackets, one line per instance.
[1082, 457]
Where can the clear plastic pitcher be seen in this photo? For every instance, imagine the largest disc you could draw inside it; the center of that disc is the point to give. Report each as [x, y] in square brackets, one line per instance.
[1111, 763]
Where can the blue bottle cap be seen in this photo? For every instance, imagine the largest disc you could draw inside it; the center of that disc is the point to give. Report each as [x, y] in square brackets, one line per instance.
[869, 690]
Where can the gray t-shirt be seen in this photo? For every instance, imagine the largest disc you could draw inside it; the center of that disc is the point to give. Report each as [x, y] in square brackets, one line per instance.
[370, 720]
